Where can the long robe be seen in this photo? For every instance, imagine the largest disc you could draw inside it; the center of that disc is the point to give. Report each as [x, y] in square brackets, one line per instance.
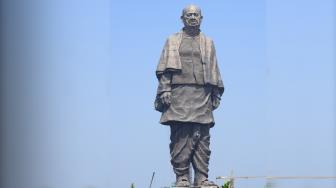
[171, 64]
[191, 99]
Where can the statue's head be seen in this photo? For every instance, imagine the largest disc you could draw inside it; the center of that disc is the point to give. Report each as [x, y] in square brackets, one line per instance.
[192, 16]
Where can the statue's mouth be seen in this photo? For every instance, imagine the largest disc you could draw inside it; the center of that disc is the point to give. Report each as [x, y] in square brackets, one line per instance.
[193, 22]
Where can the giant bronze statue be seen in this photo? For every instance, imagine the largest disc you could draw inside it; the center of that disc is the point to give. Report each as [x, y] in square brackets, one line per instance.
[190, 88]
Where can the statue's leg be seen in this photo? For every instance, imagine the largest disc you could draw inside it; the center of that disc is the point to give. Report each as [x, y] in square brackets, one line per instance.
[201, 156]
[180, 150]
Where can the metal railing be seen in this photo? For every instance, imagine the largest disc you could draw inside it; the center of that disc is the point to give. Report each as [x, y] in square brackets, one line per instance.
[231, 179]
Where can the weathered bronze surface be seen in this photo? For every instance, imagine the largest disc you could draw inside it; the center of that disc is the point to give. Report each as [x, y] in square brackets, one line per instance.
[190, 88]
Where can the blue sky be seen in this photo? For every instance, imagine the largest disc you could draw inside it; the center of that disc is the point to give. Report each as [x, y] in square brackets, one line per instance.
[94, 85]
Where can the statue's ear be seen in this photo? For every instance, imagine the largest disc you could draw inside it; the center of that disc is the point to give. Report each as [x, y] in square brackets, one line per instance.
[182, 19]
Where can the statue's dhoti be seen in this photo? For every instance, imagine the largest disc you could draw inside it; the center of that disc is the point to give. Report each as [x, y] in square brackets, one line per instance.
[190, 144]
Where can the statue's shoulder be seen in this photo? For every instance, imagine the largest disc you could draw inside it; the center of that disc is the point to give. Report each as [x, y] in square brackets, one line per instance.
[175, 36]
[206, 38]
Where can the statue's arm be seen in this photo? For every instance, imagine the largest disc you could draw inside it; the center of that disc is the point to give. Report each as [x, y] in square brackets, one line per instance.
[218, 90]
[164, 89]
[162, 99]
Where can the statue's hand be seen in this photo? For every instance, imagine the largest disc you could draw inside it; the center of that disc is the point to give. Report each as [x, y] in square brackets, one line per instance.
[215, 98]
[166, 98]
[215, 102]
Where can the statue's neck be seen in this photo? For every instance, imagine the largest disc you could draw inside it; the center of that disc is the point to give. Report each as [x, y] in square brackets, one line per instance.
[191, 31]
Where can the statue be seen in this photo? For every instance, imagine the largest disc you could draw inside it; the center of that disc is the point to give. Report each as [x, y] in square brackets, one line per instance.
[190, 88]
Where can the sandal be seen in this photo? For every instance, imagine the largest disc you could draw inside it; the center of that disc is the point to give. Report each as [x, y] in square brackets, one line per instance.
[182, 182]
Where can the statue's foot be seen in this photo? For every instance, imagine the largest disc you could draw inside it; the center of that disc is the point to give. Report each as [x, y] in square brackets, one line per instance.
[207, 184]
[182, 182]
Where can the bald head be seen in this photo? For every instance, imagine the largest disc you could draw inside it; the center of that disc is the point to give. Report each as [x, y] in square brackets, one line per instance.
[192, 8]
[192, 16]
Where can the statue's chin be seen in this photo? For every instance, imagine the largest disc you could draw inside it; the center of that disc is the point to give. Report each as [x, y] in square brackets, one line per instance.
[193, 25]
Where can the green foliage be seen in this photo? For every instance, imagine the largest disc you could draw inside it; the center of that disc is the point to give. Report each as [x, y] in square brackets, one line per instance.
[132, 186]
[227, 184]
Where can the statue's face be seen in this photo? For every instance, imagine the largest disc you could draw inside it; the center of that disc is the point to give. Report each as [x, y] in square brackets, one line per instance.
[192, 16]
